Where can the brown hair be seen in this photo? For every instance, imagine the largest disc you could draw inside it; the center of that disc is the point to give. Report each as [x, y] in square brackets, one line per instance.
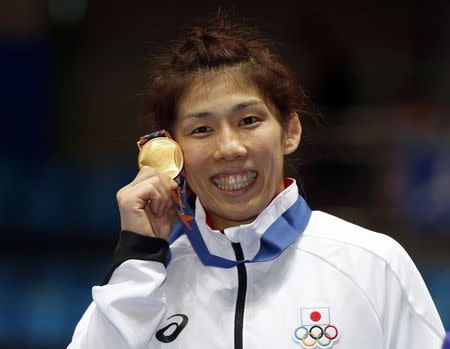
[214, 46]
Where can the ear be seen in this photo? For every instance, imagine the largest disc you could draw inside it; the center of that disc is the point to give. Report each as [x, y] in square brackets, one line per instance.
[292, 134]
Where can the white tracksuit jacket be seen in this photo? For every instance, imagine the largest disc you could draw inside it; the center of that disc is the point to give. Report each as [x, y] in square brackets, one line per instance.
[336, 286]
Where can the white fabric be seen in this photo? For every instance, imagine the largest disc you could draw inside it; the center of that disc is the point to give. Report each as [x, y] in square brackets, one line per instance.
[366, 282]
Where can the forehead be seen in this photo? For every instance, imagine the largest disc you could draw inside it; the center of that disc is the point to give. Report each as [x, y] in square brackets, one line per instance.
[215, 91]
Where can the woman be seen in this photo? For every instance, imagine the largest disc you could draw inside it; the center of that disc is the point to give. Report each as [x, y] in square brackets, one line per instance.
[262, 270]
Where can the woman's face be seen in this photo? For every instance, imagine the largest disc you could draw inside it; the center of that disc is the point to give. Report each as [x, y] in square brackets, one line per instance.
[233, 146]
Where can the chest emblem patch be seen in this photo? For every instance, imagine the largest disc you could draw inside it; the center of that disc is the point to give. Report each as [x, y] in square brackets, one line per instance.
[316, 329]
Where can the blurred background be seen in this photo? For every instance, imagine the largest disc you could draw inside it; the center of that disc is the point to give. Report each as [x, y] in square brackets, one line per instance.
[72, 74]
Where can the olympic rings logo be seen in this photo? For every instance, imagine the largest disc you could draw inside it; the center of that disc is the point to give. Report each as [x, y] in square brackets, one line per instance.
[316, 336]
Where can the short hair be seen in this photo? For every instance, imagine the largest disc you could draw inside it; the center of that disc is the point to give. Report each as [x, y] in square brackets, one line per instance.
[217, 45]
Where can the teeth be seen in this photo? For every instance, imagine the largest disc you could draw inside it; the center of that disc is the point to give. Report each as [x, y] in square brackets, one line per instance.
[235, 182]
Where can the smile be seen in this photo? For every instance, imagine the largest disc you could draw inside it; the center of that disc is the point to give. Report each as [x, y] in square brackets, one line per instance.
[230, 182]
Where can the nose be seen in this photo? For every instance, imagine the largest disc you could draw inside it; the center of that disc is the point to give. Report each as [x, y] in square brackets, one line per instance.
[229, 144]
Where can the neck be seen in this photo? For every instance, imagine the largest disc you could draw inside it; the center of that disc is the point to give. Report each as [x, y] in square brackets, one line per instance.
[218, 222]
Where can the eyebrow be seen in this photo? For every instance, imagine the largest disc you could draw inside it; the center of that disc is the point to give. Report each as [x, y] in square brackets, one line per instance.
[235, 108]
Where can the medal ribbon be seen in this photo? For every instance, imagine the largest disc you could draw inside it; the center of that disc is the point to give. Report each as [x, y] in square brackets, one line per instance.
[278, 237]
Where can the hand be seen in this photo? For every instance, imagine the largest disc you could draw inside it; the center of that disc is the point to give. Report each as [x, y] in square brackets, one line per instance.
[146, 206]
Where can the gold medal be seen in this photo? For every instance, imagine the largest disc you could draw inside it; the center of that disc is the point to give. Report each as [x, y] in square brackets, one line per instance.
[163, 154]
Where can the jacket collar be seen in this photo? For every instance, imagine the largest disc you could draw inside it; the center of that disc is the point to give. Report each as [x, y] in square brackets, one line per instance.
[248, 235]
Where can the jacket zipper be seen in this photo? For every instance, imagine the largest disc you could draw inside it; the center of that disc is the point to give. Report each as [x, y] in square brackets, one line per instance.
[240, 302]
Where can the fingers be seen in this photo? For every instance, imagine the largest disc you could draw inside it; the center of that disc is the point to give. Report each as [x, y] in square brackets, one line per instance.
[153, 192]
[146, 205]
[162, 226]
[148, 172]
[149, 192]
[144, 172]
[151, 188]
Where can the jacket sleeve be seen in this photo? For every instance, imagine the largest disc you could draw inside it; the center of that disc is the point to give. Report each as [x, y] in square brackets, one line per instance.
[128, 306]
[410, 318]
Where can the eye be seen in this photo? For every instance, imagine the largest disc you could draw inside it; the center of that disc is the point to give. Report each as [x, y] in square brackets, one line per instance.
[249, 120]
[202, 129]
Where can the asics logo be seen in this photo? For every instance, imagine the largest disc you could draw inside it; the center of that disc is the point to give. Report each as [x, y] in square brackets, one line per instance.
[168, 333]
